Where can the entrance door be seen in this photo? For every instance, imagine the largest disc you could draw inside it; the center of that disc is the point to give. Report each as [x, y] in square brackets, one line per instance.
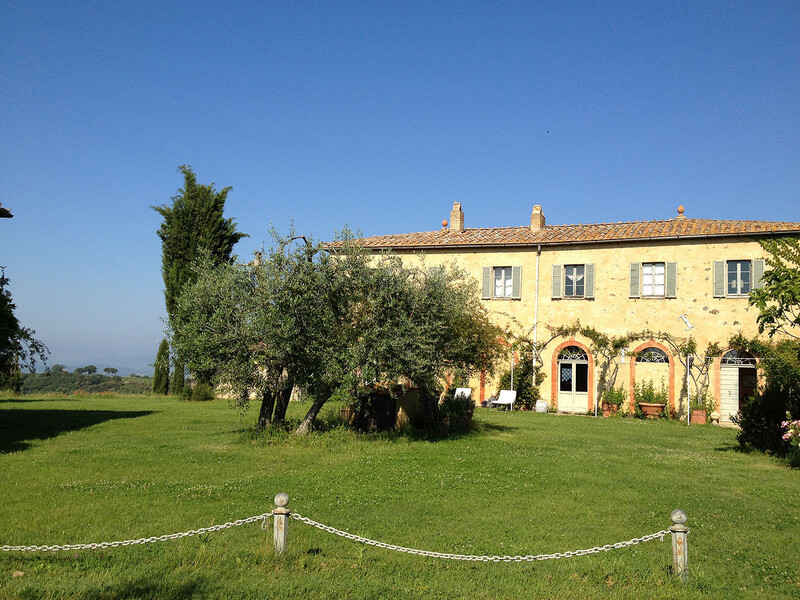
[737, 382]
[573, 385]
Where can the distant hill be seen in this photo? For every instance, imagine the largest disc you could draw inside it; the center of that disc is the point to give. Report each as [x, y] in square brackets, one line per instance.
[67, 383]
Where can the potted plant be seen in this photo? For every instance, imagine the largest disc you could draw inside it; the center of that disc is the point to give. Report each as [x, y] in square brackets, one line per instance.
[650, 402]
[612, 399]
[700, 408]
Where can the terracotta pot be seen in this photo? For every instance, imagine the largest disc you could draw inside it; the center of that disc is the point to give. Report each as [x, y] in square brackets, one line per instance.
[609, 410]
[651, 410]
[698, 416]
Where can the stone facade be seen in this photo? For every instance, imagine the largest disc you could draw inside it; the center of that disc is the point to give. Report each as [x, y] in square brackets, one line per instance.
[679, 276]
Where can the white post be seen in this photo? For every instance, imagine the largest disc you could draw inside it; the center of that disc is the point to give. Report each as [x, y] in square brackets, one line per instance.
[680, 550]
[280, 518]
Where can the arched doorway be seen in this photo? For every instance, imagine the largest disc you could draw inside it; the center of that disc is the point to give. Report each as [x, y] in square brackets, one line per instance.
[738, 380]
[653, 363]
[573, 380]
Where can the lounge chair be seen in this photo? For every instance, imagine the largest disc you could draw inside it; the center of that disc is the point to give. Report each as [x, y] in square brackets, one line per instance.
[506, 398]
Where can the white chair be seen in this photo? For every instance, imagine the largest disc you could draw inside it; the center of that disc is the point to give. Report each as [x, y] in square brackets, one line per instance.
[506, 398]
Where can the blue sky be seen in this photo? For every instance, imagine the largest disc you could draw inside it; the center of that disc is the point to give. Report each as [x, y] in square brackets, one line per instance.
[376, 114]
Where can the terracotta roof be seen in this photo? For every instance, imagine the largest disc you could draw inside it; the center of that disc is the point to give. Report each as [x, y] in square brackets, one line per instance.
[576, 234]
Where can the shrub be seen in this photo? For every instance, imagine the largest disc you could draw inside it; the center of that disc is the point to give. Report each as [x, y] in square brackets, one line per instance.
[457, 409]
[614, 396]
[761, 418]
[200, 392]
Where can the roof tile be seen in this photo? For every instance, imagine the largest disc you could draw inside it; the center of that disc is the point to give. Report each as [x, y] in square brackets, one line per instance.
[572, 234]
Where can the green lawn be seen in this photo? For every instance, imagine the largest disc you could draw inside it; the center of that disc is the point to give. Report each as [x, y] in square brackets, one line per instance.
[98, 469]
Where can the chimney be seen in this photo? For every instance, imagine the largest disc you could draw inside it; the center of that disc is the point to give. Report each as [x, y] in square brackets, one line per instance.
[457, 218]
[537, 218]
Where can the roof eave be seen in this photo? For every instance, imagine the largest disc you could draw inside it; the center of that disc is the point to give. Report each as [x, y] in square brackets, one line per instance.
[582, 242]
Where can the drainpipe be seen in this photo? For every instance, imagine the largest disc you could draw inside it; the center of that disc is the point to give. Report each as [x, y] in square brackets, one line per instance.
[536, 312]
[688, 396]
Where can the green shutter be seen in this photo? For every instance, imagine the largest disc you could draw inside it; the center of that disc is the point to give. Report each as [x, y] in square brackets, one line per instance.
[670, 290]
[758, 273]
[486, 290]
[635, 285]
[557, 281]
[516, 282]
[719, 279]
[588, 281]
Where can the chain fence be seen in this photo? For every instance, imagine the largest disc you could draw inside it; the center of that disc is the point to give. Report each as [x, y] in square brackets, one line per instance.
[148, 540]
[480, 558]
[344, 534]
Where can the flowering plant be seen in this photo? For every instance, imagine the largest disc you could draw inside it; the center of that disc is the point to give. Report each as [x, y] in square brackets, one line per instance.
[792, 428]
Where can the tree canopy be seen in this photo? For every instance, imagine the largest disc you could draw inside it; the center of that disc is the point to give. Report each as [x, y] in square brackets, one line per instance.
[333, 320]
[778, 300]
[18, 347]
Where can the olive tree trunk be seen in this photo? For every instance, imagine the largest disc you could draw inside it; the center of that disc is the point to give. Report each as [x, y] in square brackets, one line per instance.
[308, 420]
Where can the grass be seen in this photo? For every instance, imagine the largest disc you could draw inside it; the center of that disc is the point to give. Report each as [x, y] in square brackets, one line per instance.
[99, 469]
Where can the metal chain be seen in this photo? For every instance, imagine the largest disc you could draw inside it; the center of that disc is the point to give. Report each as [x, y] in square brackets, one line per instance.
[527, 558]
[149, 540]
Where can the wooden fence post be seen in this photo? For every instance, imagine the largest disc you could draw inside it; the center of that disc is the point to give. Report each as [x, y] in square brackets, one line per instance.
[680, 550]
[280, 518]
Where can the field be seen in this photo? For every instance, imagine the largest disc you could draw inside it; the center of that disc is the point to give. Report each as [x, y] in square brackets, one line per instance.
[93, 469]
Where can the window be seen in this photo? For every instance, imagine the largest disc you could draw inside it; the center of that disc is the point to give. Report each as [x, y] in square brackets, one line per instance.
[573, 281]
[653, 280]
[737, 278]
[652, 355]
[501, 283]
[738, 358]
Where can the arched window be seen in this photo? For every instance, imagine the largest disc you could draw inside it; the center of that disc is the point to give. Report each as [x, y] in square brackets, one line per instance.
[739, 358]
[573, 353]
[652, 355]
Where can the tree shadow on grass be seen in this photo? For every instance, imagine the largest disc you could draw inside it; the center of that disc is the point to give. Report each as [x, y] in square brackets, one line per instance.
[150, 588]
[18, 427]
[22, 400]
[731, 448]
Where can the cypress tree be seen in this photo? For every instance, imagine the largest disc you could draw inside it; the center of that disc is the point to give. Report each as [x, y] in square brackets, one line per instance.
[193, 224]
[176, 384]
[161, 369]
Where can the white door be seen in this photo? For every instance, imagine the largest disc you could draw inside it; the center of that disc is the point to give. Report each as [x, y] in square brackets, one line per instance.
[573, 386]
[737, 383]
[729, 392]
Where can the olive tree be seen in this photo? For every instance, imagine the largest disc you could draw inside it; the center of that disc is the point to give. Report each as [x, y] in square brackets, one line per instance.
[332, 319]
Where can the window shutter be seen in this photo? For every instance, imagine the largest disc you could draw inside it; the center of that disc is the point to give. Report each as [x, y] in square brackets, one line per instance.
[670, 290]
[719, 279]
[486, 290]
[588, 281]
[758, 273]
[516, 282]
[635, 269]
[557, 281]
